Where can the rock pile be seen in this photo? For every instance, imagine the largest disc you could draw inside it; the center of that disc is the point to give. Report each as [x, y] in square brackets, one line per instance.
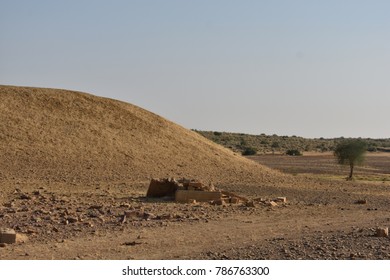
[167, 187]
[190, 191]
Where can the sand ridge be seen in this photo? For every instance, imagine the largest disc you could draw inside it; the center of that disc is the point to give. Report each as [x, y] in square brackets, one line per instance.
[53, 134]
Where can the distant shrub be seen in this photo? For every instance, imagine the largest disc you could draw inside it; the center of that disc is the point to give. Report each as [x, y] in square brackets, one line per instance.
[216, 133]
[275, 145]
[249, 151]
[293, 152]
[372, 149]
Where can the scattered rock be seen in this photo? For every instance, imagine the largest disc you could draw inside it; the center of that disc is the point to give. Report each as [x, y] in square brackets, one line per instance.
[133, 214]
[271, 203]
[97, 207]
[36, 192]
[132, 243]
[148, 216]
[281, 199]
[218, 202]
[382, 232]
[36, 219]
[25, 196]
[123, 219]
[31, 231]
[72, 220]
[9, 204]
[361, 201]
[250, 204]
[164, 217]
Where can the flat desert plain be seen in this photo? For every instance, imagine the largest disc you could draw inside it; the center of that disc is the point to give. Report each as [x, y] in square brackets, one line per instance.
[72, 165]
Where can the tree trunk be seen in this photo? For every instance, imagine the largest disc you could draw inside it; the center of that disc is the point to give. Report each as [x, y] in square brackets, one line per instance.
[351, 165]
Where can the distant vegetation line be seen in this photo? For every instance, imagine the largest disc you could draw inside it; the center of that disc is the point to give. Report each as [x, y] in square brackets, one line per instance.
[250, 144]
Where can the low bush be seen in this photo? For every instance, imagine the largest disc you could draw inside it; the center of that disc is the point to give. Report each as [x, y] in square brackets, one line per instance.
[249, 151]
[293, 152]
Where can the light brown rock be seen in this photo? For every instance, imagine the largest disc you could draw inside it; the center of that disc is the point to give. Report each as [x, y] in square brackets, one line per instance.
[271, 203]
[382, 232]
[281, 199]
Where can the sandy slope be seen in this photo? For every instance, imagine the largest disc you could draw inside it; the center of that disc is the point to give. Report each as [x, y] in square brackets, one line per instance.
[67, 136]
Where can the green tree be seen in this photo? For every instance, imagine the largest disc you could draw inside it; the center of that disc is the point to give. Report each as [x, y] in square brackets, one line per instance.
[249, 151]
[350, 152]
[275, 145]
[293, 152]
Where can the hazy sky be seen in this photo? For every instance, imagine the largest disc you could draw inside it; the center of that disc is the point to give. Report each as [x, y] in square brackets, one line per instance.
[306, 68]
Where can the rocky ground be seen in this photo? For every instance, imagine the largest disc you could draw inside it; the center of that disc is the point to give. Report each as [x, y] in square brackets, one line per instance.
[108, 223]
[358, 243]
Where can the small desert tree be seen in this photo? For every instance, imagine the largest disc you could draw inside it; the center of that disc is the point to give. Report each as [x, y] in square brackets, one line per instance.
[350, 152]
[249, 151]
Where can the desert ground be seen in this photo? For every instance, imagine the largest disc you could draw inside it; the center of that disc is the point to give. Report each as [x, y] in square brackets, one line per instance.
[73, 165]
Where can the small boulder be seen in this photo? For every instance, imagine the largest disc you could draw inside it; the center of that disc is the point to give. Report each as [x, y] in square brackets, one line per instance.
[361, 201]
[382, 232]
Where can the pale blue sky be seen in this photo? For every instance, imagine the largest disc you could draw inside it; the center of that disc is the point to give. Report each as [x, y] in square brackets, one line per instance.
[308, 68]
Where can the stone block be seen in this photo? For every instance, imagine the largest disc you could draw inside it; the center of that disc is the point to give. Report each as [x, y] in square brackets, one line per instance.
[200, 196]
[7, 236]
[161, 188]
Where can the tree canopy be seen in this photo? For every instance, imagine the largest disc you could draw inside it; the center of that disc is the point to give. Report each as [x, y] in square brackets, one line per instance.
[350, 152]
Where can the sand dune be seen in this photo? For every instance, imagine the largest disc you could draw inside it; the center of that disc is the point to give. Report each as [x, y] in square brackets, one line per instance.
[68, 136]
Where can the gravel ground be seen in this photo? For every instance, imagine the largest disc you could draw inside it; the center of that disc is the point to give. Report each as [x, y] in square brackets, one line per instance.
[356, 244]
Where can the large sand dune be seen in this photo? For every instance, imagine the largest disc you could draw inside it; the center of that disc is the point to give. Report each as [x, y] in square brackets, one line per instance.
[68, 136]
